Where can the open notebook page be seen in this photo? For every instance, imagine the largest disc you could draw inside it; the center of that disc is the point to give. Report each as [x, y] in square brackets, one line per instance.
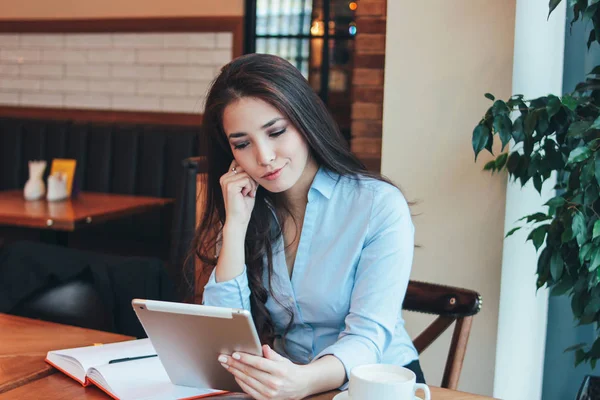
[142, 379]
[92, 356]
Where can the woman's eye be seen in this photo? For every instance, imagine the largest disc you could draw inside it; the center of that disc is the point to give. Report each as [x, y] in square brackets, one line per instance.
[240, 146]
[278, 133]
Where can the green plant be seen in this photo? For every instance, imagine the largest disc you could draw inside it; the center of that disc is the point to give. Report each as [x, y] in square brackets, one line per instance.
[562, 135]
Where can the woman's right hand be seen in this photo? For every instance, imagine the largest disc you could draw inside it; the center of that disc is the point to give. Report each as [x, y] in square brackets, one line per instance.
[239, 194]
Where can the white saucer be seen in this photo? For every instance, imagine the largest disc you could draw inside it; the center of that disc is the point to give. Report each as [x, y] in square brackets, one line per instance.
[344, 396]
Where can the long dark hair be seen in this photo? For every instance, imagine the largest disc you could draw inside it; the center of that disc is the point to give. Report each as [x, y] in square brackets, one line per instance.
[278, 83]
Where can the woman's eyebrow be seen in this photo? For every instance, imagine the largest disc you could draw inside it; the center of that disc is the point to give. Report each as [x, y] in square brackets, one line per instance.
[265, 126]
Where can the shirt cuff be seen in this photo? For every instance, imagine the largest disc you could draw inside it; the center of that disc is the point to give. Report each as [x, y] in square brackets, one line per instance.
[234, 293]
[352, 351]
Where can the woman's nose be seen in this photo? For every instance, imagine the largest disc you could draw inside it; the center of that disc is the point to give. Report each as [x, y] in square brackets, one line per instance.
[264, 155]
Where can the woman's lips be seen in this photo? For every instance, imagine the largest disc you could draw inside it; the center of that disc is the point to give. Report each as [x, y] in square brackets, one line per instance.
[274, 175]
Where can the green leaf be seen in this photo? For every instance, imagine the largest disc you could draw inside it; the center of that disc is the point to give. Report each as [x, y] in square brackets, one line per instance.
[595, 71]
[577, 128]
[579, 356]
[590, 11]
[537, 183]
[538, 235]
[563, 287]
[596, 229]
[595, 351]
[593, 306]
[500, 108]
[517, 130]
[579, 154]
[588, 172]
[490, 96]
[490, 166]
[594, 259]
[567, 234]
[569, 101]
[537, 217]
[503, 125]
[574, 347]
[597, 169]
[593, 360]
[513, 162]
[556, 266]
[480, 138]
[501, 161]
[552, 5]
[553, 105]
[529, 124]
[579, 228]
[596, 124]
[513, 230]
[591, 195]
[555, 202]
[585, 252]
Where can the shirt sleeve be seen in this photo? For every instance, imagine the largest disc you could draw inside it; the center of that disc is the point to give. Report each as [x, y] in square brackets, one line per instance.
[234, 293]
[380, 284]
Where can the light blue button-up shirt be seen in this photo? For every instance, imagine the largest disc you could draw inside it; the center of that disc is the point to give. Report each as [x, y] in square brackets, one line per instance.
[349, 279]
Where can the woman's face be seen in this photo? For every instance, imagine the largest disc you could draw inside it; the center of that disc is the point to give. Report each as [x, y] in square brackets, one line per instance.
[265, 144]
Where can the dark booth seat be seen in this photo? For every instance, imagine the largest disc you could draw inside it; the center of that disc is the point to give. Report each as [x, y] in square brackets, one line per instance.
[120, 158]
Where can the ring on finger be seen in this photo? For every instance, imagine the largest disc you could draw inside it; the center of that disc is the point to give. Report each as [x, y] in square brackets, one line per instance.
[234, 170]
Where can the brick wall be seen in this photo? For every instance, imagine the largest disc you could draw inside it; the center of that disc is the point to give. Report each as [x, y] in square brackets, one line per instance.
[367, 82]
[164, 72]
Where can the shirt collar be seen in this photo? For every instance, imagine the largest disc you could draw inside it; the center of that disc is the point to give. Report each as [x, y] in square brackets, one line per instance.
[324, 182]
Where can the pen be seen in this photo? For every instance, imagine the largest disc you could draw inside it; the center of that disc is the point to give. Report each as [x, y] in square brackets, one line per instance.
[118, 360]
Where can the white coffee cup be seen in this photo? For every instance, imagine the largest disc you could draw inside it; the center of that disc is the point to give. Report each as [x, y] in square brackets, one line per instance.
[384, 382]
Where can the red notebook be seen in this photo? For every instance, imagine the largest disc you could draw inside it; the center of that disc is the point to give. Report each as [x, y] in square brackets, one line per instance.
[137, 374]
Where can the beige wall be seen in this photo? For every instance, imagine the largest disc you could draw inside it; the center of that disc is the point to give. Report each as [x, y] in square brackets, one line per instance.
[33, 9]
[441, 57]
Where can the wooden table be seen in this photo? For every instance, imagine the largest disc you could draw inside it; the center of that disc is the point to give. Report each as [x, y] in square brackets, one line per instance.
[59, 218]
[25, 376]
[85, 209]
[24, 343]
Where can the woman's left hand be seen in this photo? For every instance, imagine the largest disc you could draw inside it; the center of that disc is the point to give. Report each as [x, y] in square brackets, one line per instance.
[269, 377]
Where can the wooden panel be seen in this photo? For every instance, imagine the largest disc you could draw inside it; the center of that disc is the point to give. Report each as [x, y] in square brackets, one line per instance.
[369, 61]
[368, 43]
[107, 25]
[367, 146]
[367, 94]
[372, 7]
[366, 128]
[86, 115]
[372, 111]
[370, 77]
[370, 25]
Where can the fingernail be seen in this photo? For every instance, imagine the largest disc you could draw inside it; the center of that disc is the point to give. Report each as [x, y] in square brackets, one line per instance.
[236, 356]
[222, 359]
[225, 366]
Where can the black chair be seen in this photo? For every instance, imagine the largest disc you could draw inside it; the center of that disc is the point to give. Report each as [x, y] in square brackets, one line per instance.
[75, 302]
[80, 288]
[182, 265]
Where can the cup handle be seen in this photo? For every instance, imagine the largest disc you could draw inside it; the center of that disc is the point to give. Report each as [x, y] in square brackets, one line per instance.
[424, 388]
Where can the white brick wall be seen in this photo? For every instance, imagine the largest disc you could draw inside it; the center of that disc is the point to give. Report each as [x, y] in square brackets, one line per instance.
[157, 72]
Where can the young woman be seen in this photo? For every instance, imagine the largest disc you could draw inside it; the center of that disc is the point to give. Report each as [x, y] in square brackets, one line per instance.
[315, 246]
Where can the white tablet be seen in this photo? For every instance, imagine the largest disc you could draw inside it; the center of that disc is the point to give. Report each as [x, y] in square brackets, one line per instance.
[188, 339]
